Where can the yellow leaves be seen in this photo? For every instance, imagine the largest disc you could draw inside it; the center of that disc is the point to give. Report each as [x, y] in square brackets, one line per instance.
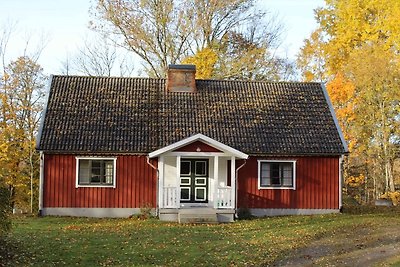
[340, 89]
[21, 101]
[342, 94]
[311, 59]
[204, 60]
[3, 149]
[355, 181]
[393, 196]
[347, 25]
[362, 22]
[308, 76]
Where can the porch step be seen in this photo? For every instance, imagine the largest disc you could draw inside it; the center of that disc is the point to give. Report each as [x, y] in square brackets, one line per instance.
[197, 215]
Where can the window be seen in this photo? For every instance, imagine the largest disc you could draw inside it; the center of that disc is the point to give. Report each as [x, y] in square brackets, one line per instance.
[96, 172]
[276, 174]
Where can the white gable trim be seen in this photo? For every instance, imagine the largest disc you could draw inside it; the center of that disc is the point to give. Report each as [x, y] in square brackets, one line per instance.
[203, 138]
[43, 115]
[328, 101]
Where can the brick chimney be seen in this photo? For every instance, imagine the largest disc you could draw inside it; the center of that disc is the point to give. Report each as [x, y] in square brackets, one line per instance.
[181, 78]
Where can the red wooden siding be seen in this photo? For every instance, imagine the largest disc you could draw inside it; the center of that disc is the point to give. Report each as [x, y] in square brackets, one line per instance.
[135, 184]
[317, 186]
[192, 147]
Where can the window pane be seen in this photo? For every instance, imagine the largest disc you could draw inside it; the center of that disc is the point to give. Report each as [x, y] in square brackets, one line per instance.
[84, 171]
[265, 181]
[201, 181]
[287, 182]
[275, 170]
[201, 168]
[96, 171]
[275, 174]
[265, 174]
[185, 193]
[109, 171]
[265, 167]
[200, 193]
[95, 179]
[185, 167]
[287, 174]
[185, 181]
[96, 164]
[275, 181]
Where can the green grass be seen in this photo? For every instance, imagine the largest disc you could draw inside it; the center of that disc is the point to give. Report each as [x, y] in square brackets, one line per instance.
[54, 241]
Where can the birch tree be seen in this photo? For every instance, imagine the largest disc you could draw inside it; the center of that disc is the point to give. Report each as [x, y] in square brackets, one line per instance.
[22, 92]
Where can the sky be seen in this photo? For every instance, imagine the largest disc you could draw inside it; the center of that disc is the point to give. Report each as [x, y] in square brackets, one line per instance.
[63, 24]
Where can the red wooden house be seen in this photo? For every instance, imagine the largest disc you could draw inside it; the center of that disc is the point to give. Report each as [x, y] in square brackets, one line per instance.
[187, 147]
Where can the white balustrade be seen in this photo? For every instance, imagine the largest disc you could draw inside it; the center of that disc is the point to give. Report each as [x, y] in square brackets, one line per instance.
[224, 199]
[170, 197]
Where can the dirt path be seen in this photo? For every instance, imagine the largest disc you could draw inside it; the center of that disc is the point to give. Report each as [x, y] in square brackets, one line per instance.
[377, 246]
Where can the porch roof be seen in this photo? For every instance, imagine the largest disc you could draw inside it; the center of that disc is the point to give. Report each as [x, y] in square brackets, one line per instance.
[199, 137]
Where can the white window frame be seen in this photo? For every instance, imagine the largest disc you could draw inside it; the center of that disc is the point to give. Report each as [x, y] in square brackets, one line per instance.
[277, 187]
[114, 184]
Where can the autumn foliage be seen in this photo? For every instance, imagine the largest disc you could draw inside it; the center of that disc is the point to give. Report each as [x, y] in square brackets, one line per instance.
[21, 102]
[355, 50]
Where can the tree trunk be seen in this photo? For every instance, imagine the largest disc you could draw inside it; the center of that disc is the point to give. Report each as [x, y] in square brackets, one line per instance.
[389, 170]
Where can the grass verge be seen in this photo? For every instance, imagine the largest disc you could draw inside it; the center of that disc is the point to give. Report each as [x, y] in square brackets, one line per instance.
[51, 241]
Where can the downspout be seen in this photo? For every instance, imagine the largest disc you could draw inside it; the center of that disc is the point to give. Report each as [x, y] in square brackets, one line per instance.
[157, 185]
[236, 194]
[41, 178]
[340, 182]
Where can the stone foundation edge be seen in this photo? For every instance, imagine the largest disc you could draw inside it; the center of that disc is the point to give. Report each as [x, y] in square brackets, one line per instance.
[92, 212]
[283, 212]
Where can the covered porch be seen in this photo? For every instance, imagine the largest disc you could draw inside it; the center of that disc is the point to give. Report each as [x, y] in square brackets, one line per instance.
[197, 180]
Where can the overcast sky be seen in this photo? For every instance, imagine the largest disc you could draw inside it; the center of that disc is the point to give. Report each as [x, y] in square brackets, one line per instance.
[64, 23]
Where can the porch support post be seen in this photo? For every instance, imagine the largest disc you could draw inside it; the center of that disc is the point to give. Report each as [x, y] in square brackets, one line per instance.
[161, 196]
[233, 182]
[178, 181]
[216, 159]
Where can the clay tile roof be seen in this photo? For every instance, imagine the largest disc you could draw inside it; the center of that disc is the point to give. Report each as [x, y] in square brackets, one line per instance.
[137, 115]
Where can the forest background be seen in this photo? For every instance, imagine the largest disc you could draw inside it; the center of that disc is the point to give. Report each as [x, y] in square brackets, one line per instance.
[354, 51]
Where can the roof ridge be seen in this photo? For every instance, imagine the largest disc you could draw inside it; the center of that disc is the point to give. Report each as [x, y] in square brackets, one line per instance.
[104, 77]
[205, 80]
[259, 81]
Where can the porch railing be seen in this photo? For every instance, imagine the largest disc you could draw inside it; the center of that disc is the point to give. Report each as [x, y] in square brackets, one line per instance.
[170, 197]
[224, 199]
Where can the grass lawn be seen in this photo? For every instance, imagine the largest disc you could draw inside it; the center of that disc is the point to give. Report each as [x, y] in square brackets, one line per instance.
[54, 241]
